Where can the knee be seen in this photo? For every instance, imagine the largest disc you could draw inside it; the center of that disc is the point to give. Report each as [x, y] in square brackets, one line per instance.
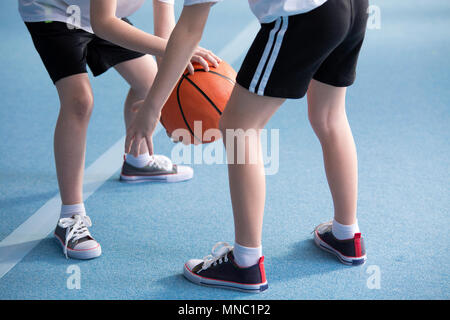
[325, 125]
[80, 106]
[142, 87]
[226, 123]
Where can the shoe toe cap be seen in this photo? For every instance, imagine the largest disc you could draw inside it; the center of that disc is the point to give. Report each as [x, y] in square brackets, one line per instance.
[191, 264]
[86, 245]
[185, 170]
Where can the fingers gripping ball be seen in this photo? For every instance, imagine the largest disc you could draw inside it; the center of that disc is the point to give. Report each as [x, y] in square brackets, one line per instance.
[198, 98]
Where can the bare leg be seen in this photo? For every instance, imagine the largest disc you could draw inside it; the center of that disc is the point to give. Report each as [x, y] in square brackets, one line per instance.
[326, 110]
[76, 99]
[245, 111]
[140, 74]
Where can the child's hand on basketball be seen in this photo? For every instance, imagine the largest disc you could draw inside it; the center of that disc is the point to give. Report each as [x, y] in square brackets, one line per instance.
[203, 57]
[141, 128]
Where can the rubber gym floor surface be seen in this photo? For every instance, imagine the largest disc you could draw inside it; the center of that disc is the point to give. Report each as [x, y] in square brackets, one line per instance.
[399, 110]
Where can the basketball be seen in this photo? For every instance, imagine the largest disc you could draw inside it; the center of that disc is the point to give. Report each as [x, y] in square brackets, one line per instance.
[198, 98]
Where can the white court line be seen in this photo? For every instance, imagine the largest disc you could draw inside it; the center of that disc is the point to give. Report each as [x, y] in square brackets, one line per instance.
[37, 227]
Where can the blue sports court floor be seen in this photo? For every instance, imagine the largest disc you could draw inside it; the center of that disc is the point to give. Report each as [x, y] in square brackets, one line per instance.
[399, 110]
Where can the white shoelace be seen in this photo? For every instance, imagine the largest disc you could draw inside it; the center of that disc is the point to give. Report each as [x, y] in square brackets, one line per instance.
[160, 162]
[78, 225]
[324, 227]
[218, 254]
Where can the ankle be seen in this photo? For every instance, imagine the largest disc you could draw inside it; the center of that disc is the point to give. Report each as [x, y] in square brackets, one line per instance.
[67, 211]
[246, 256]
[140, 161]
[342, 232]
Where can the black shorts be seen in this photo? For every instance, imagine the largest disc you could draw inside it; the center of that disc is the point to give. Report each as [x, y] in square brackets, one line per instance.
[322, 44]
[66, 52]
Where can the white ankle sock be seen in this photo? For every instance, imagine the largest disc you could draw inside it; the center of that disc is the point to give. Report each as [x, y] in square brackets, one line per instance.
[140, 161]
[342, 232]
[245, 256]
[68, 211]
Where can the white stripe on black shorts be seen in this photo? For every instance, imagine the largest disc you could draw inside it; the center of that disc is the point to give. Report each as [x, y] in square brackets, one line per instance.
[322, 44]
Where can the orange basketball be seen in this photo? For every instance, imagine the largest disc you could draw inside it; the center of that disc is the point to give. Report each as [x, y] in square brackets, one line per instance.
[198, 97]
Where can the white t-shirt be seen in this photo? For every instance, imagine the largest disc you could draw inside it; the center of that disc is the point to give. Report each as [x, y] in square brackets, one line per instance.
[67, 10]
[269, 10]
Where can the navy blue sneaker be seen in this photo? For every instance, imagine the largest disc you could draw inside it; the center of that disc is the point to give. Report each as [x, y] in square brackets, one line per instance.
[220, 270]
[351, 252]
